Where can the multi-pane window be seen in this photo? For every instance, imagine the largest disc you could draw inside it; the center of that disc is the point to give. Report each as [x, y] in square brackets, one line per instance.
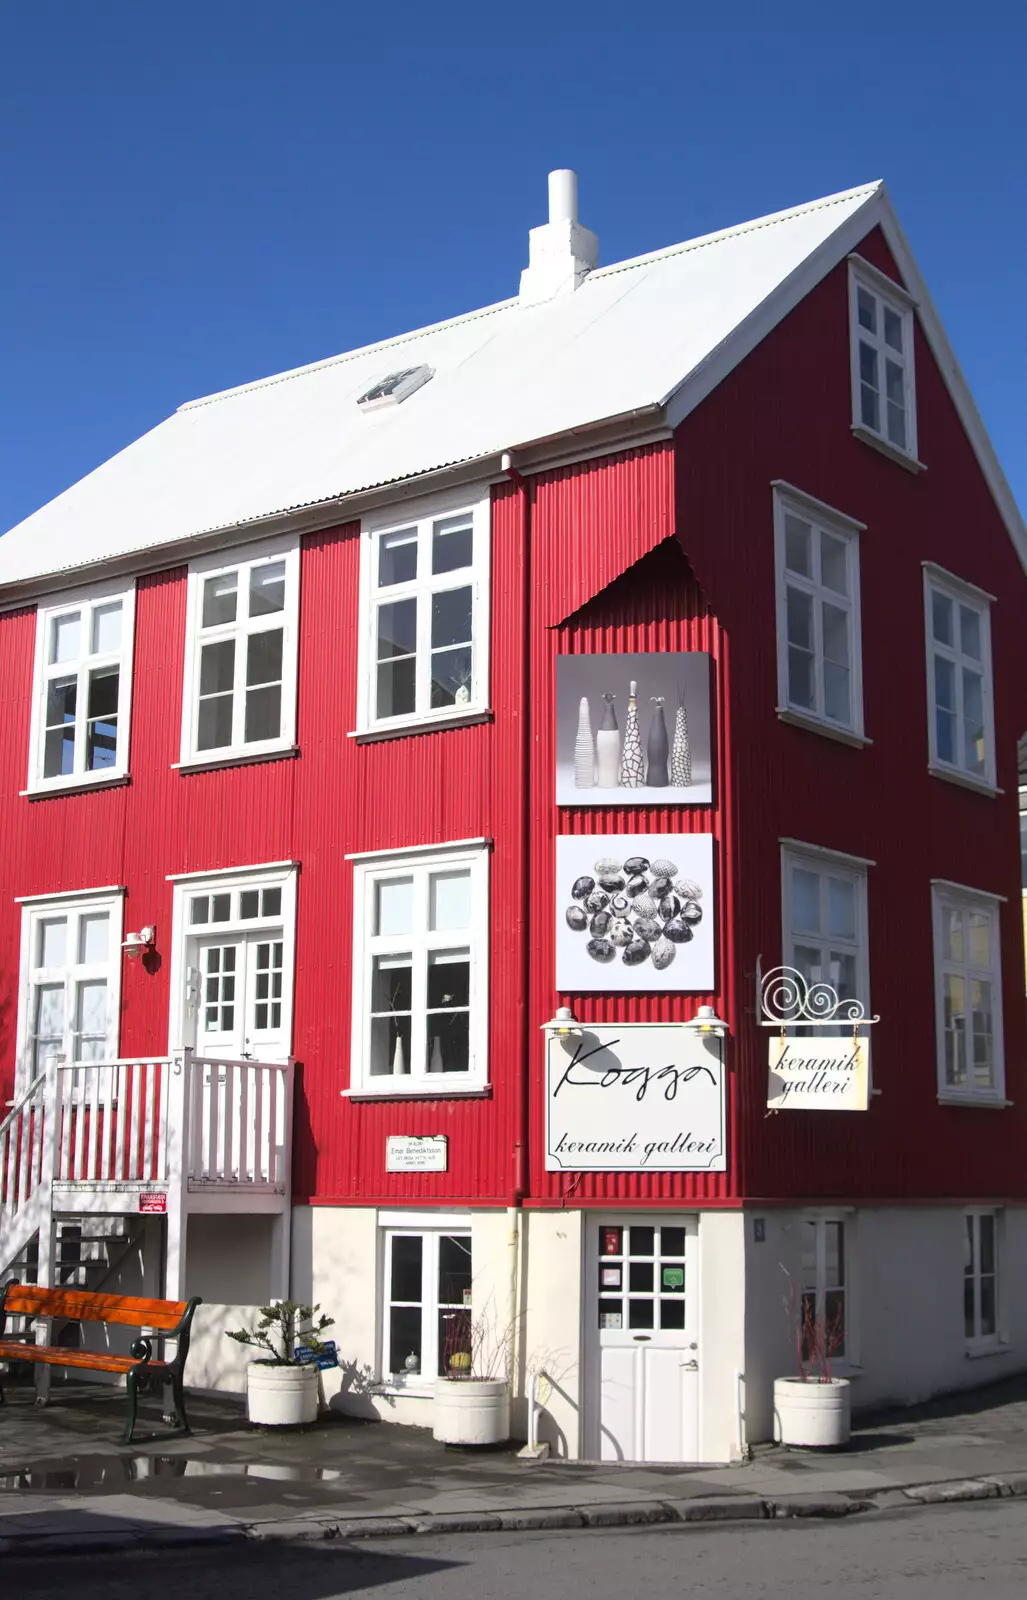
[83, 673]
[818, 615]
[421, 970]
[825, 922]
[980, 1276]
[960, 726]
[425, 652]
[883, 393]
[71, 954]
[427, 1312]
[240, 689]
[968, 994]
[823, 1287]
[642, 1280]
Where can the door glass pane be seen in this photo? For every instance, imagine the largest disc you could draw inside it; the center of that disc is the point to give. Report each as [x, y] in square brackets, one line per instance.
[66, 637]
[271, 902]
[452, 544]
[450, 901]
[267, 589]
[220, 907]
[199, 909]
[220, 599]
[93, 939]
[640, 1277]
[797, 546]
[107, 628]
[672, 1242]
[397, 557]
[53, 942]
[672, 1314]
[642, 1241]
[640, 1313]
[249, 904]
[394, 906]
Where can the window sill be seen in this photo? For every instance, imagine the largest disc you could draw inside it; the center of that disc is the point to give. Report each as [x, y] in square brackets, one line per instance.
[910, 463]
[248, 758]
[404, 1391]
[799, 719]
[964, 780]
[994, 1347]
[977, 1102]
[82, 786]
[452, 1091]
[401, 728]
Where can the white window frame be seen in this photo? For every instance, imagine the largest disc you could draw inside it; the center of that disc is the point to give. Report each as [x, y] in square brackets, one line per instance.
[822, 519]
[846, 1219]
[960, 593]
[476, 503]
[890, 295]
[42, 908]
[978, 1343]
[228, 880]
[430, 1228]
[815, 858]
[86, 601]
[243, 560]
[369, 871]
[944, 896]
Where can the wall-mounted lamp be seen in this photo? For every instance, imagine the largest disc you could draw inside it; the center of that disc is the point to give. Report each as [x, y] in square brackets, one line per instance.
[564, 1024]
[137, 944]
[707, 1023]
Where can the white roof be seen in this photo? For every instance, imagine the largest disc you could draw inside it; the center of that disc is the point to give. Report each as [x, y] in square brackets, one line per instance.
[656, 331]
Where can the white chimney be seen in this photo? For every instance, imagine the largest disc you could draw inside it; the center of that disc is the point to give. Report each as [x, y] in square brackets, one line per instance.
[561, 253]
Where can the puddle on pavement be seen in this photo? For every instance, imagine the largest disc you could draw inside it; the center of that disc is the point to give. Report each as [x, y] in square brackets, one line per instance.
[112, 1472]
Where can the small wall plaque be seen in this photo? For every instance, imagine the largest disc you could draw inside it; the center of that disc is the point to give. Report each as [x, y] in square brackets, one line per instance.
[417, 1153]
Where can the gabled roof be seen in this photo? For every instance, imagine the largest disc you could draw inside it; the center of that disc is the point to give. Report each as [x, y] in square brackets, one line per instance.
[650, 335]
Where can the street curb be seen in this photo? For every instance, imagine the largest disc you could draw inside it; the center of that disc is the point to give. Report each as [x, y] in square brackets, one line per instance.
[697, 1512]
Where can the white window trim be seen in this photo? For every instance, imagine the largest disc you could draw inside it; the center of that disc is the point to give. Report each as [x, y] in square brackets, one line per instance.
[819, 859]
[961, 593]
[69, 601]
[224, 881]
[840, 526]
[426, 1225]
[285, 549]
[424, 1084]
[942, 893]
[40, 907]
[983, 1344]
[478, 502]
[863, 275]
[841, 1366]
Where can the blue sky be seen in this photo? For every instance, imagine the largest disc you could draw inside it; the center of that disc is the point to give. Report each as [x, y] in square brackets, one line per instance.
[206, 191]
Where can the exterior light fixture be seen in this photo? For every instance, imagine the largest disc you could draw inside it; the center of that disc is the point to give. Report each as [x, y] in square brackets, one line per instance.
[137, 944]
[707, 1023]
[564, 1024]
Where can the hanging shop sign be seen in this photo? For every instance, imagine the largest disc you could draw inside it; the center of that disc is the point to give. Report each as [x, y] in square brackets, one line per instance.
[635, 1098]
[633, 730]
[411, 1153]
[634, 912]
[819, 1060]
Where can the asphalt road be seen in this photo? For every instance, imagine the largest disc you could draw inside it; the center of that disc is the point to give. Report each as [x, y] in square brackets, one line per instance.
[924, 1555]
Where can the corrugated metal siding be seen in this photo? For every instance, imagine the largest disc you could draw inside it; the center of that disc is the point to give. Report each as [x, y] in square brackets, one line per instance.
[785, 414]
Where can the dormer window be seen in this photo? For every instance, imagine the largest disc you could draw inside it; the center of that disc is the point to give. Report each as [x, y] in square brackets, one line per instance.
[398, 386]
[883, 386]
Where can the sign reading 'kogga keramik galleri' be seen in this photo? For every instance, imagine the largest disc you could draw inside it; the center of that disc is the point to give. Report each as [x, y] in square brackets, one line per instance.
[634, 1098]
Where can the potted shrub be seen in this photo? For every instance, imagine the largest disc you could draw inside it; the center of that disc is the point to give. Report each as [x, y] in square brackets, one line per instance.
[472, 1400]
[281, 1387]
[813, 1408]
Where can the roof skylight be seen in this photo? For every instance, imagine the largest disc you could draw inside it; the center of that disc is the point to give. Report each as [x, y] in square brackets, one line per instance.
[396, 387]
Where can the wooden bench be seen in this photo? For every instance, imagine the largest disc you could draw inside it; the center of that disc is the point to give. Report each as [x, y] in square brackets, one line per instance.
[172, 1318]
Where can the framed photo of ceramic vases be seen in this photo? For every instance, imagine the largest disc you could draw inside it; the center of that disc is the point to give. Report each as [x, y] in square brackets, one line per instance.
[633, 729]
[634, 912]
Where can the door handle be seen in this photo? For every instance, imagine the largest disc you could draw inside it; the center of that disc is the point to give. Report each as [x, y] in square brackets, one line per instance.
[690, 1366]
[641, 1338]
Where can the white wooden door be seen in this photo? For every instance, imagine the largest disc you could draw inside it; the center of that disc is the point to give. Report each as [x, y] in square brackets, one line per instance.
[645, 1352]
[238, 1012]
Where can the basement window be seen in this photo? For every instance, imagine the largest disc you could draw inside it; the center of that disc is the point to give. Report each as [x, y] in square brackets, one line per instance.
[394, 388]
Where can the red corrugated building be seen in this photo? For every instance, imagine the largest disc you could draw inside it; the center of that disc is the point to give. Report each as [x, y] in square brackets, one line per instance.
[319, 748]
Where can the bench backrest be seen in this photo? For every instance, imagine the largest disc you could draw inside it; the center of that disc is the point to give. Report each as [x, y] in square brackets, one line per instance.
[84, 1305]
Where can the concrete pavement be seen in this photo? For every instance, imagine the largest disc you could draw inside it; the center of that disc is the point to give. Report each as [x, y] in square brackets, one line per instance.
[65, 1482]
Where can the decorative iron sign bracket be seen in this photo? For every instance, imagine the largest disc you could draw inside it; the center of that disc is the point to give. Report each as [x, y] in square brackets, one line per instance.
[785, 1000]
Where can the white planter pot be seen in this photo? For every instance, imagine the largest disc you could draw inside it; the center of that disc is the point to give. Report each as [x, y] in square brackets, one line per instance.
[471, 1411]
[813, 1414]
[281, 1397]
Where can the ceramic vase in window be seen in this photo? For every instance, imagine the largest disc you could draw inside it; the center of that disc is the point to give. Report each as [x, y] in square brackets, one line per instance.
[584, 750]
[632, 765]
[608, 746]
[681, 754]
[657, 776]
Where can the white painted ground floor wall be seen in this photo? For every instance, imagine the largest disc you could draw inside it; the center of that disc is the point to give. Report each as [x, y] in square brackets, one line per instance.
[536, 1271]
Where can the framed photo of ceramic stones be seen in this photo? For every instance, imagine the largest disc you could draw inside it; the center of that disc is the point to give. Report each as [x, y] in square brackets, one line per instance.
[633, 730]
[634, 912]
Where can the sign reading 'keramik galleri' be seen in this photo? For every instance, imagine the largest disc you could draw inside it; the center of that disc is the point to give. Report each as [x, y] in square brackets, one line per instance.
[635, 1098]
[828, 1073]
